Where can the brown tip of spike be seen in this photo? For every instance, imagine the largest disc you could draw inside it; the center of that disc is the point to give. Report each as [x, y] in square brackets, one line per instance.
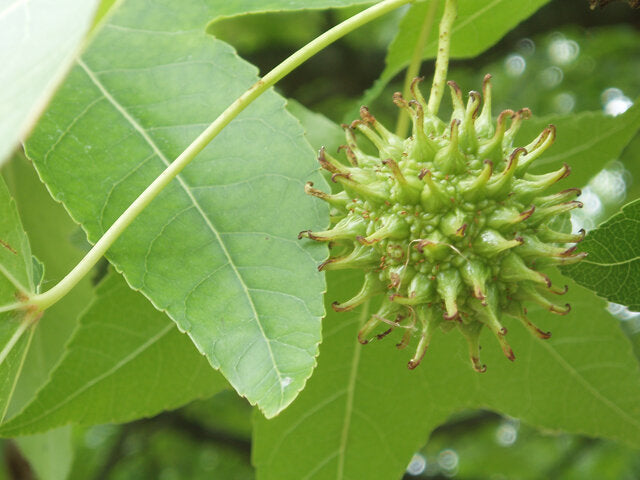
[567, 171]
[583, 233]
[475, 363]
[569, 251]
[366, 115]
[454, 316]
[516, 153]
[455, 87]
[325, 263]
[509, 354]
[335, 176]
[527, 213]
[486, 79]
[524, 113]
[399, 100]
[461, 231]
[303, 234]
[337, 308]
[560, 310]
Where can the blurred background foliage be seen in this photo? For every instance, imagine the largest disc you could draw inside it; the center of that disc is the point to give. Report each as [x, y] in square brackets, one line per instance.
[565, 59]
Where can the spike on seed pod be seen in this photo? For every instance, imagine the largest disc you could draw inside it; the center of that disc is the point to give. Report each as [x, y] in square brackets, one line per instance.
[448, 225]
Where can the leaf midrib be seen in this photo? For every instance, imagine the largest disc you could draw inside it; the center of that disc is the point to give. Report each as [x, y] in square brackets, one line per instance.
[199, 209]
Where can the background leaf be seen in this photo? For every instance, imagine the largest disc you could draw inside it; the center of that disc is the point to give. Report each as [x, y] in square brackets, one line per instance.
[217, 249]
[479, 25]
[612, 269]
[224, 8]
[60, 244]
[38, 41]
[50, 454]
[126, 360]
[364, 413]
[16, 280]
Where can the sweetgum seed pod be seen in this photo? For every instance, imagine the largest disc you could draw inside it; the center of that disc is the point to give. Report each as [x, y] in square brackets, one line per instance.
[448, 225]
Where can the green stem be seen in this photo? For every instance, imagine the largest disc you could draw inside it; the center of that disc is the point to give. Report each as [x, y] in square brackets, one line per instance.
[46, 299]
[442, 60]
[414, 67]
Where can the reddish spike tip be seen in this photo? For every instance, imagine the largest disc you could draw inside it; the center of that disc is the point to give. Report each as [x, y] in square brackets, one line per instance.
[476, 97]
[454, 316]
[455, 86]
[559, 311]
[301, 235]
[517, 152]
[475, 362]
[510, 355]
[366, 115]
[325, 263]
[524, 113]
[380, 336]
[399, 100]
[414, 362]
[582, 232]
[527, 213]
[335, 176]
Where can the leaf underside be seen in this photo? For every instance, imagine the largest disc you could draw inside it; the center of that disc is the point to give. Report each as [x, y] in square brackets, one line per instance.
[16, 281]
[612, 268]
[125, 361]
[38, 40]
[217, 250]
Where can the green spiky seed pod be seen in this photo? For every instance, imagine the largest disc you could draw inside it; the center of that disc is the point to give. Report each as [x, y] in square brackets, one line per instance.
[447, 224]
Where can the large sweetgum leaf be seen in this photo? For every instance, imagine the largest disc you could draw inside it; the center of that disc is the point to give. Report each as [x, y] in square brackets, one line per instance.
[217, 249]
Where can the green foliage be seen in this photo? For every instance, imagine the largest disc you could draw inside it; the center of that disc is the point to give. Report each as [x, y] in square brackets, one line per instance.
[216, 253]
[16, 281]
[364, 414]
[43, 38]
[217, 250]
[50, 230]
[50, 454]
[138, 368]
[612, 269]
[479, 25]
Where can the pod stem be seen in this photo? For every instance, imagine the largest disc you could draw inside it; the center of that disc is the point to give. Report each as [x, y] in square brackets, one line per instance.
[414, 67]
[442, 59]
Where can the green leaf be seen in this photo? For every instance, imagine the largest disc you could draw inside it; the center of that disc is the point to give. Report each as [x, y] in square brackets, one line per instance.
[126, 360]
[320, 131]
[38, 41]
[480, 24]
[364, 413]
[217, 250]
[50, 230]
[50, 454]
[226, 8]
[587, 141]
[16, 283]
[612, 268]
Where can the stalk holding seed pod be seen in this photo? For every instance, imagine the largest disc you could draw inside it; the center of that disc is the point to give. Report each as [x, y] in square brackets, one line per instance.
[448, 224]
